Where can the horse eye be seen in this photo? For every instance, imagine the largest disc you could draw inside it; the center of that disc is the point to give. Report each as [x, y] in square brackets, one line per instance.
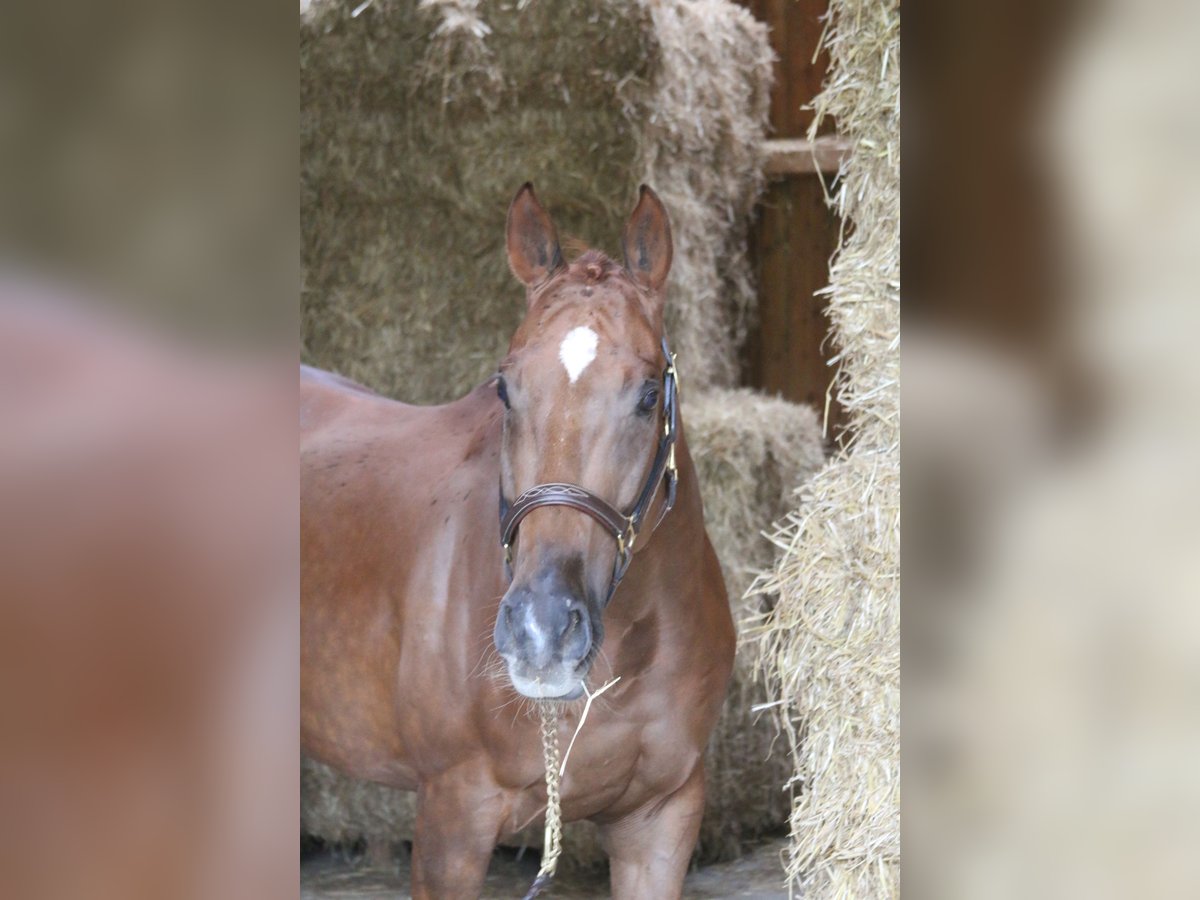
[649, 401]
[502, 391]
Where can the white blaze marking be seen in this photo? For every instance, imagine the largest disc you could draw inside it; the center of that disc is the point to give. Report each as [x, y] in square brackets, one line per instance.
[577, 351]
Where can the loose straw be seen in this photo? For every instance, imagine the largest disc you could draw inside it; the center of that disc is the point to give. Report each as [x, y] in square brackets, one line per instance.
[587, 707]
[552, 838]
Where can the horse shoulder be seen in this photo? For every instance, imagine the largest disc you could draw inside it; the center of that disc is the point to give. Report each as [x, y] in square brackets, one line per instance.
[392, 497]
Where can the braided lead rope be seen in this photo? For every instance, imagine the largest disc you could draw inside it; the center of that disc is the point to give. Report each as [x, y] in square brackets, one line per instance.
[552, 839]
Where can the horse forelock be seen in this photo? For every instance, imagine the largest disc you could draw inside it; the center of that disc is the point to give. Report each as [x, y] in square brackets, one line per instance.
[593, 266]
[593, 290]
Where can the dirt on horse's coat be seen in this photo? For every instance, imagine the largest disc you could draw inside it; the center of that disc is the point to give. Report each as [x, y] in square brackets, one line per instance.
[419, 654]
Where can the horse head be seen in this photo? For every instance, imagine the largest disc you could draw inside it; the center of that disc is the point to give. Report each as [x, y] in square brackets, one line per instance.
[588, 445]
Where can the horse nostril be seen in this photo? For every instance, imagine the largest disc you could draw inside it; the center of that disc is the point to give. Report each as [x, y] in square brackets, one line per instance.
[576, 637]
[508, 619]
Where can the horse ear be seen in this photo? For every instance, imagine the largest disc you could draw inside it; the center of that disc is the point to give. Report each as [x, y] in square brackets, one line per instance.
[532, 242]
[646, 242]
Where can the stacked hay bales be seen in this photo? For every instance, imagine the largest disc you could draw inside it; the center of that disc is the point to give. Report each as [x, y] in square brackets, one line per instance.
[749, 451]
[830, 648]
[419, 120]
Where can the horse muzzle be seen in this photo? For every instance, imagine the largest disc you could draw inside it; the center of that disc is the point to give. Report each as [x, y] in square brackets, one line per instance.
[548, 637]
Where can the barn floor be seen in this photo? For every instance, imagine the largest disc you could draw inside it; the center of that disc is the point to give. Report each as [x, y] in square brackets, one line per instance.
[326, 876]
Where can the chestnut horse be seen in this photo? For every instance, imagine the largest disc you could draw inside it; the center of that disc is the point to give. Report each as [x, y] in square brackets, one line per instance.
[420, 640]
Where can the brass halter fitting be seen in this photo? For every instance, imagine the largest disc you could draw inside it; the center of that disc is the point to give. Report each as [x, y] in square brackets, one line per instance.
[628, 537]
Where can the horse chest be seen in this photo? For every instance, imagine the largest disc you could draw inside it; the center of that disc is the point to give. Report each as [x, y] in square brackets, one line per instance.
[616, 764]
[594, 783]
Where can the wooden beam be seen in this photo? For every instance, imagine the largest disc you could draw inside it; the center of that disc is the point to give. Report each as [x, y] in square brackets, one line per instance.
[793, 238]
[794, 156]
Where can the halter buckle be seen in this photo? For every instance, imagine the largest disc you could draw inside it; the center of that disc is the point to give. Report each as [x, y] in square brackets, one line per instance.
[627, 538]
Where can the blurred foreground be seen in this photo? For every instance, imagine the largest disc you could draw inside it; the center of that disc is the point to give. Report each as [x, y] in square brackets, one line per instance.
[148, 479]
[1051, 444]
[148, 617]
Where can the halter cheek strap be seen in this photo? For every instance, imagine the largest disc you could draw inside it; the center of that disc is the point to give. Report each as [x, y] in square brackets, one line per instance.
[624, 527]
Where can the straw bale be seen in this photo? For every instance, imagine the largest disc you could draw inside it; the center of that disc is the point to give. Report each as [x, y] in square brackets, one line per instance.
[419, 120]
[342, 810]
[701, 146]
[829, 649]
[749, 451]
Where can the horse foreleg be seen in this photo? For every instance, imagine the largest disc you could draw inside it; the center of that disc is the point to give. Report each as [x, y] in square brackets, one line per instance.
[649, 850]
[456, 831]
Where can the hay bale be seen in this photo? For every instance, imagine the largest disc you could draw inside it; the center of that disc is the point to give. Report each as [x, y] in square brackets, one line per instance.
[342, 810]
[749, 451]
[829, 650]
[418, 121]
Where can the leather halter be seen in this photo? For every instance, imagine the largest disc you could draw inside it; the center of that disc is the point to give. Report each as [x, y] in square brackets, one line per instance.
[624, 527]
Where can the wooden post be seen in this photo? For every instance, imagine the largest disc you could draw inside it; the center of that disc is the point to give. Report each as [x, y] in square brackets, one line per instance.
[796, 233]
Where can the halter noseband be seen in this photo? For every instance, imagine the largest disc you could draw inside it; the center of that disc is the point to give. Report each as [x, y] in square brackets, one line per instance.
[624, 527]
